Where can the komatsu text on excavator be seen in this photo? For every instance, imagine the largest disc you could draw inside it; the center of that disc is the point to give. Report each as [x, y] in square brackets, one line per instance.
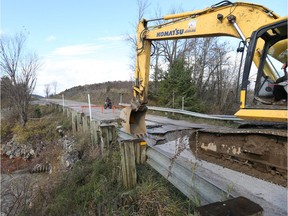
[264, 35]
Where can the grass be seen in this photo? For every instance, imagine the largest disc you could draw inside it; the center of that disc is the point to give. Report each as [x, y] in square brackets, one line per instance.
[93, 187]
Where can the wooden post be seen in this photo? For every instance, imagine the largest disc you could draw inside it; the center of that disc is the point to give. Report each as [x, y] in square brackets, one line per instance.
[68, 112]
[95, 133]
[140, 152]
[74, 121]
[132, 152]
[80, 122]
[86, 124]
[104, 145]
[128, 165]
[63, 103]
[108, 137]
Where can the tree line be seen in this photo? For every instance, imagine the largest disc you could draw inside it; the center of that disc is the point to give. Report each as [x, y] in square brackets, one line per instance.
[200, 70]
[197, 70]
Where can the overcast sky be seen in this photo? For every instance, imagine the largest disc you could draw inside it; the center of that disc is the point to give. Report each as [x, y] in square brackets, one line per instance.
[82, 42]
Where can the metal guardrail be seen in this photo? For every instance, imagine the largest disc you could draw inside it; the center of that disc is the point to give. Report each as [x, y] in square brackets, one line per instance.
[195, 114]
[187, 177]
[189, 113]
[196, 182]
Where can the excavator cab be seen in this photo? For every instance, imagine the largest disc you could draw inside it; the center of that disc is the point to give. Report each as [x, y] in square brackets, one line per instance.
[272, 60]
[258, 100]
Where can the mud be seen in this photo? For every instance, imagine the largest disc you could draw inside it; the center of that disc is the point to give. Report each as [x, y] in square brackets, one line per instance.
[263, 156]
[9, 166]
[276, 179]
[163, 134]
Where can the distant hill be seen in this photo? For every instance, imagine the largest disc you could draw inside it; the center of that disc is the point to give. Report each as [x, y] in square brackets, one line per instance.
[98, 92]
[35, 96]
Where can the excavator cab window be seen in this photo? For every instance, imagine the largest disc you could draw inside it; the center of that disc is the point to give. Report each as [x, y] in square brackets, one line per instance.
[273, 54]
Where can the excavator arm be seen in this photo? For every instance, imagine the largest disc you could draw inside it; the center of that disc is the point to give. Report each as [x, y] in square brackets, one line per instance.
[237, 20]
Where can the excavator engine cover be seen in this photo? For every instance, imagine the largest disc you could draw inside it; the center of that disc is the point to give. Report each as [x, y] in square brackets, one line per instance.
[133, 122]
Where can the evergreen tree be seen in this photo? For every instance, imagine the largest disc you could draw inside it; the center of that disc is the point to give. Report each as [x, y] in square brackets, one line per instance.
[178, 82]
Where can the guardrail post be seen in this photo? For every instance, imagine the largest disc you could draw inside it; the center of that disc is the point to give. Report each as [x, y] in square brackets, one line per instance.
[140, 152]
[95, 133]
[108, 138]
[86, 123]
[63, 102]
[128, 165]
[132, 152]
[68, 113]
[74, 121]
[80, 121]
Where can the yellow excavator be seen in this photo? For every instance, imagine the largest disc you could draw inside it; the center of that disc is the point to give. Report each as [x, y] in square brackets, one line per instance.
[264, 35]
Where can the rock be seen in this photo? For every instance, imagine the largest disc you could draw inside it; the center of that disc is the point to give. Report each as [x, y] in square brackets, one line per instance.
[8, 153]
[32, 152]
[59, 129]
[18, 153]
[70, 158]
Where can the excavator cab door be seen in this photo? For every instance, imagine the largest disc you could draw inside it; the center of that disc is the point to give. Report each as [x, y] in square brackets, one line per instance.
[257, 90]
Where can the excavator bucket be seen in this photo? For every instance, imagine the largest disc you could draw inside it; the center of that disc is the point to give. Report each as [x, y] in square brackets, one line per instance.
[133, 121]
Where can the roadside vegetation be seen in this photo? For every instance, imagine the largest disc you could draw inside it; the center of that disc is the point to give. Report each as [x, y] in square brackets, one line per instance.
[93, 186]
[39, 134]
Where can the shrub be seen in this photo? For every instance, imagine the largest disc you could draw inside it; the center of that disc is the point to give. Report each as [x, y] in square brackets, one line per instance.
[34, 131]
[93, 188]
[37, 112]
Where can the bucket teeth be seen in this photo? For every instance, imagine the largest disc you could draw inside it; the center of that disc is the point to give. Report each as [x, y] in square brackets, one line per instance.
[141, 135]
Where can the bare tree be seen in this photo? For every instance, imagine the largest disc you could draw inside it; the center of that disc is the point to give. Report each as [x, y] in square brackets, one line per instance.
[142, 6]
[54, 84]
[47, 90]
[20, 68]
[212, 72]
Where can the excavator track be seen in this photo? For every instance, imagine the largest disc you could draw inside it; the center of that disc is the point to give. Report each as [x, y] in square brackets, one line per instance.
[259, 153]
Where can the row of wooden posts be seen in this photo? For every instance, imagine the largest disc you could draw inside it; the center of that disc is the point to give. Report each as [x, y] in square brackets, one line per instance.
[132, 150]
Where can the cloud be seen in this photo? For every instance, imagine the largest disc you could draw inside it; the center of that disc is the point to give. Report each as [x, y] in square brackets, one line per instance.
[113, 38]
[87, 63]
[80, 49]
[73, 72]
[50, 38]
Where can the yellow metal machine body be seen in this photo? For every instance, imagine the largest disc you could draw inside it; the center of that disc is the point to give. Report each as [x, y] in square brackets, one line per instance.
[237, 20]
[264, 34]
